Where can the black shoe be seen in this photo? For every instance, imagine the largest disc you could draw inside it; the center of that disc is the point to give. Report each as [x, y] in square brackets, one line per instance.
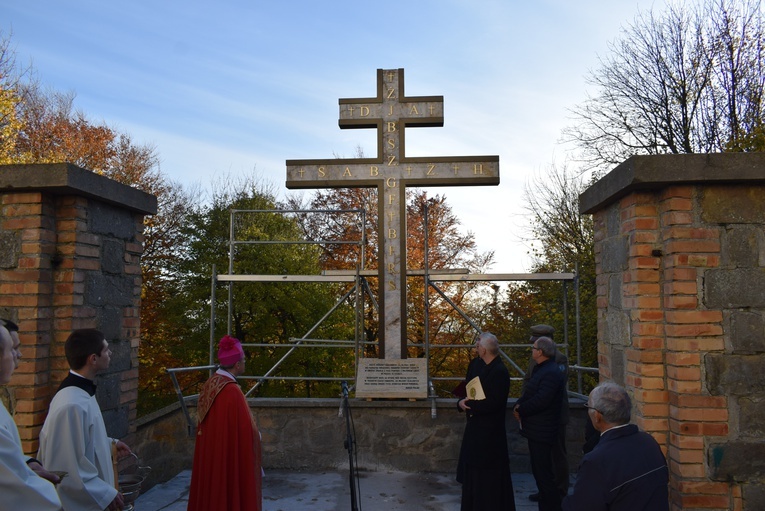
[534, 497]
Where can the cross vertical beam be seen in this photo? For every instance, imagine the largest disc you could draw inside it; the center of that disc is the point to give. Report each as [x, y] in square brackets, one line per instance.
[391, 171]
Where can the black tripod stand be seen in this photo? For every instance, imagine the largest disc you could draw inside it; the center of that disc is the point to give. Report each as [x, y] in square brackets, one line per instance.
[349, 444]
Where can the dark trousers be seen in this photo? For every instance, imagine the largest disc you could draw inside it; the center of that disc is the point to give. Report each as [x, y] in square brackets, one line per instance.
[544, 475]
[560, 461]
[487, 489]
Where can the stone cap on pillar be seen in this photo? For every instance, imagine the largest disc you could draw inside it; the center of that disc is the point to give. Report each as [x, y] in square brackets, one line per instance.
[658, 171]
[69, 179]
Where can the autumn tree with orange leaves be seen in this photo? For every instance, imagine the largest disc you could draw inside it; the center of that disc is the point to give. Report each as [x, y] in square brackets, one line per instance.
[40, 125]
[448, 247]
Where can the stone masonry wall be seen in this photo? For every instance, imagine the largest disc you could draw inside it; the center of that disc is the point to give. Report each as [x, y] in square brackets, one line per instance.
[308, 434]
[681, 323]
[69, 258]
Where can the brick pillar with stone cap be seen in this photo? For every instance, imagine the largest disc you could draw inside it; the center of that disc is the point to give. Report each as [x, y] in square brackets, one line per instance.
[70, 249]
[680, 269]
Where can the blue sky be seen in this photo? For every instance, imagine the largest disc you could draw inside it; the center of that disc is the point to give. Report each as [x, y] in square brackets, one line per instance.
[238, 87]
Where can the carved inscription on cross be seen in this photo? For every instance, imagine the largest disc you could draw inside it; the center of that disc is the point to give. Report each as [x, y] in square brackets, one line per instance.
[391, 172]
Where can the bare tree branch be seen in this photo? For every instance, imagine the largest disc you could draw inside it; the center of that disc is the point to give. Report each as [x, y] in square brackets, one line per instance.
[685, 80]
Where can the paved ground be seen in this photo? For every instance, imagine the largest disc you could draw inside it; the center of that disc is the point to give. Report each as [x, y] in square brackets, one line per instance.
[330, 491]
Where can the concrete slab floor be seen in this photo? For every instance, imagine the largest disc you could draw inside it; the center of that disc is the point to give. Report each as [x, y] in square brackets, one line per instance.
[285, 490]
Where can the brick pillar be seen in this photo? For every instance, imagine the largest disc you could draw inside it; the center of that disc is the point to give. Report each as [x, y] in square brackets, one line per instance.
[680, 255]
[70, 247]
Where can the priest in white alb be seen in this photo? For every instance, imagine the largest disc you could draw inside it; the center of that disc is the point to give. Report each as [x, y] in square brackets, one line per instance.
[73, 437]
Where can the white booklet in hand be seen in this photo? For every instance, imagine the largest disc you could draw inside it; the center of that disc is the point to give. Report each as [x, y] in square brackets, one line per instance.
[475, 390]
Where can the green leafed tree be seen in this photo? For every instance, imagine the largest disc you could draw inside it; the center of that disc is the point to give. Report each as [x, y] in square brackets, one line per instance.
[261, 312]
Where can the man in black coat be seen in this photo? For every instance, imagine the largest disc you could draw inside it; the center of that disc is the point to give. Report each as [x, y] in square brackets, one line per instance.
[484, 465]
[626, 471]
[538, 411]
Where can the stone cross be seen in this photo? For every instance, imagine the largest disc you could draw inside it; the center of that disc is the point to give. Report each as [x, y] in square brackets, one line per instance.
[391, 112]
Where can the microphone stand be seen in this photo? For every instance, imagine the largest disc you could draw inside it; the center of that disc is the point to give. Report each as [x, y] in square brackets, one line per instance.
[348, 444]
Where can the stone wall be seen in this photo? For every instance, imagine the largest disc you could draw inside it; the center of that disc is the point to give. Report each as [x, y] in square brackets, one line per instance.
[308, 434]
[70, 245]
[680, 254]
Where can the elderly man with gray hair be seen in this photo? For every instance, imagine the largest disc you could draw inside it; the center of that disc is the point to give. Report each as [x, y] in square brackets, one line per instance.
[538, 413]
[559, 451]
[484, 464]
[626, 471]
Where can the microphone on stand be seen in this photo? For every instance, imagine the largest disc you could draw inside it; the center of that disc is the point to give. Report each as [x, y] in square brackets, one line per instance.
[348, 444]
[344, 386]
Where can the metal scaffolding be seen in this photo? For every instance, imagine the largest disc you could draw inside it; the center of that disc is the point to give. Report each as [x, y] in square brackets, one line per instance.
[357, 293]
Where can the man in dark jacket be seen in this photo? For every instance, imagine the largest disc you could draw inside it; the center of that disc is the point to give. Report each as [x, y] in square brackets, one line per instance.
[626, 471]
[559, 452]
[484, 465]
[538, 411]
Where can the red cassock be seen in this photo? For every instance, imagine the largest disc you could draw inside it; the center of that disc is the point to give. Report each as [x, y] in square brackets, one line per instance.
[226, 474]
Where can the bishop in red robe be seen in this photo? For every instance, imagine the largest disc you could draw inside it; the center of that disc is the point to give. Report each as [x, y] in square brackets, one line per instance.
[227, 470]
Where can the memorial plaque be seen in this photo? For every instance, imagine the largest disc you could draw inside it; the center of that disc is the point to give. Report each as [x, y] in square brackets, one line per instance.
[390, 378]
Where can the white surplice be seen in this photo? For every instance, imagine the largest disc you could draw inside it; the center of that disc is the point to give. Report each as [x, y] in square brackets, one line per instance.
[74, 439]
[21, 489]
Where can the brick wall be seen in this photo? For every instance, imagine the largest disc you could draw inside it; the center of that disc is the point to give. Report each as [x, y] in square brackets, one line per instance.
[680, 253]
[70, 245]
